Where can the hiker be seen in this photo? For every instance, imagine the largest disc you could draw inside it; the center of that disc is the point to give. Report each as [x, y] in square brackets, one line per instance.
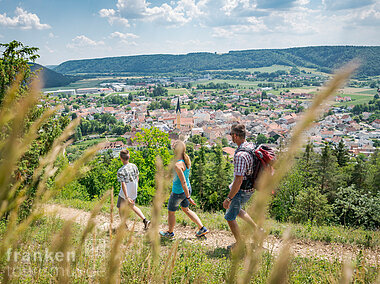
[181, 192]
[241, 188]
[128, 176]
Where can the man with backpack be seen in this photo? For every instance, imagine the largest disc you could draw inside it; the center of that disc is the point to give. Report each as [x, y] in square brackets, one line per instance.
[242, 187]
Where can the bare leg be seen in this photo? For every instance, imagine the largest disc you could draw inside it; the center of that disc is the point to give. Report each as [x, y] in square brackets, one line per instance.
[138, 211]
[235, 229]
[245, 216]
[171, 221]
[193, 216]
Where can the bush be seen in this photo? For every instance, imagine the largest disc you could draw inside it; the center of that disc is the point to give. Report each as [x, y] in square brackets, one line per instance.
[354, 208]
[145, 195]
[312, 206]
[74, 190]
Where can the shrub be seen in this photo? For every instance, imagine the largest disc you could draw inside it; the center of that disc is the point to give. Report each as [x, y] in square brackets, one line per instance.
[312, 205]
[354, 208]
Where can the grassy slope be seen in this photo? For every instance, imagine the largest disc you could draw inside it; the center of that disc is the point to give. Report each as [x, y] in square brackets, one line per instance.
[193, 262]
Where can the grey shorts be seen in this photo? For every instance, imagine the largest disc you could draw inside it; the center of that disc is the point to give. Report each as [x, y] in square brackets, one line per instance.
[121, 201]
[237, 203]
[175, 200]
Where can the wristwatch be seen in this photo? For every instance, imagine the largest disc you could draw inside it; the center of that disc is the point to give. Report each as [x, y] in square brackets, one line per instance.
[229, 199]
[188, 197]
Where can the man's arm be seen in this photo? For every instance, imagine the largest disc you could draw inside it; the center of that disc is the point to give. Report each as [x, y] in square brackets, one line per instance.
[234, 189]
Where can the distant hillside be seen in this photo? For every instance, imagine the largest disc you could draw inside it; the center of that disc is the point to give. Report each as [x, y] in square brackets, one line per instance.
[324, 58]
[50, 78]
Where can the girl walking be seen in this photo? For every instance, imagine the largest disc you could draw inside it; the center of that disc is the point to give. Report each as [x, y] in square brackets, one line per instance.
[181, 192]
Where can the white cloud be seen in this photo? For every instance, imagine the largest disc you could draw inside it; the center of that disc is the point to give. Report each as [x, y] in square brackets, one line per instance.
[22, 20]
[123, 35]
[254, 25]
[49, 49]
[83, 41]
[51, 35]
[110, 14]
[173, 13]
[222, 33]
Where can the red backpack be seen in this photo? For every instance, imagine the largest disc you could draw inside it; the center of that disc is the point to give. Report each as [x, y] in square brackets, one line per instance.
[263, 158]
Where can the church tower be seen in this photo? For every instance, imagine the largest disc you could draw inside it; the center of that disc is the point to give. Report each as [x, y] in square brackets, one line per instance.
[178, 112]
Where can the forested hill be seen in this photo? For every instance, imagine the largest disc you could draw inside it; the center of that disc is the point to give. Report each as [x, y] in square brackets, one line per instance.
[50, 78]
[324, 58]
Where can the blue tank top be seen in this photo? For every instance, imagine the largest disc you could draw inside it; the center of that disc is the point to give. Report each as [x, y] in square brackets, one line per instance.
[177, 186]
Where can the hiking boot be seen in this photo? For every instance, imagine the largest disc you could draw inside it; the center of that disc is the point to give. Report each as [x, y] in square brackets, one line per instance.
[146, 224]
[203, 231]
[168, 235]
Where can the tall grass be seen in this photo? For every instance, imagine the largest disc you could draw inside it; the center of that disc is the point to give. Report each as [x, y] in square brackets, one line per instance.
[127, 256]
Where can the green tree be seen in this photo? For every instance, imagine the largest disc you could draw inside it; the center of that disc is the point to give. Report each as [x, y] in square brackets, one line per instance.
[152, 142]
[312, 205]
[341, 154]
[285, 198]
[159, 91]
[261, 139]
[14, 60]
[327, 172]
[198, 178]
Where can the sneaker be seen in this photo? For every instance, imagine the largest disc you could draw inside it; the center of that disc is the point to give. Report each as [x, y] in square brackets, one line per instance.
[167, 235]
[146, 224]
[231, 246]
[203, 231]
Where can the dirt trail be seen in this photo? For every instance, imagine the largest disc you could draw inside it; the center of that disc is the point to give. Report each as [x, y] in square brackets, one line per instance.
[221, 239]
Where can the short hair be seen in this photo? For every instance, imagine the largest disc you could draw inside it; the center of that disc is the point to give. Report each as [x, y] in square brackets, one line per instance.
[124, 154]
[239, 130]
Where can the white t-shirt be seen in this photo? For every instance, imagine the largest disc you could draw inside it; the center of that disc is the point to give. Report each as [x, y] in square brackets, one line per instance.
[129, 174]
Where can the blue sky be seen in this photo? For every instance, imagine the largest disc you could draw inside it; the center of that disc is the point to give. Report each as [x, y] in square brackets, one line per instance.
[77, 29]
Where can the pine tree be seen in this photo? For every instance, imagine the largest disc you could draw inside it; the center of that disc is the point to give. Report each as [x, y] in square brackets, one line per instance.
[327, 170]
[341, 154]
[198, 175]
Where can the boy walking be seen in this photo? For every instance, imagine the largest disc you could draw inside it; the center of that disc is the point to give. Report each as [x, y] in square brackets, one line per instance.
[128, 176]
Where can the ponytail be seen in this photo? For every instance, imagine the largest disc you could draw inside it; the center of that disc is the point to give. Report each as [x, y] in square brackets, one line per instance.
[186, 158]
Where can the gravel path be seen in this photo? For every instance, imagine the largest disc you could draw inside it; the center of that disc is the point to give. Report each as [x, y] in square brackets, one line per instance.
[221, 239]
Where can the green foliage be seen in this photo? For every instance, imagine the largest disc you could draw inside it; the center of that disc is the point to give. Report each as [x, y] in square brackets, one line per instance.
[311, 206]
[103, 123]
[261, 139]
[152, 143]
[357, 209]
[326, 58]
[210, 176]
[285, 198]
[14, 60]
[159, 91]
[197, 139]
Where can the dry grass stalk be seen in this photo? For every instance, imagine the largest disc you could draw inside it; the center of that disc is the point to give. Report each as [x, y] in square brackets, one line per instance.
[13, 115]
[347, 272]
[163, 179]
[280, 269]
[94, 250]
[268, 183]
[156, 212]
[114, 262]
[13, 147]
[169, 264]
[111, 215]
[91, 222]
[61, 244]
